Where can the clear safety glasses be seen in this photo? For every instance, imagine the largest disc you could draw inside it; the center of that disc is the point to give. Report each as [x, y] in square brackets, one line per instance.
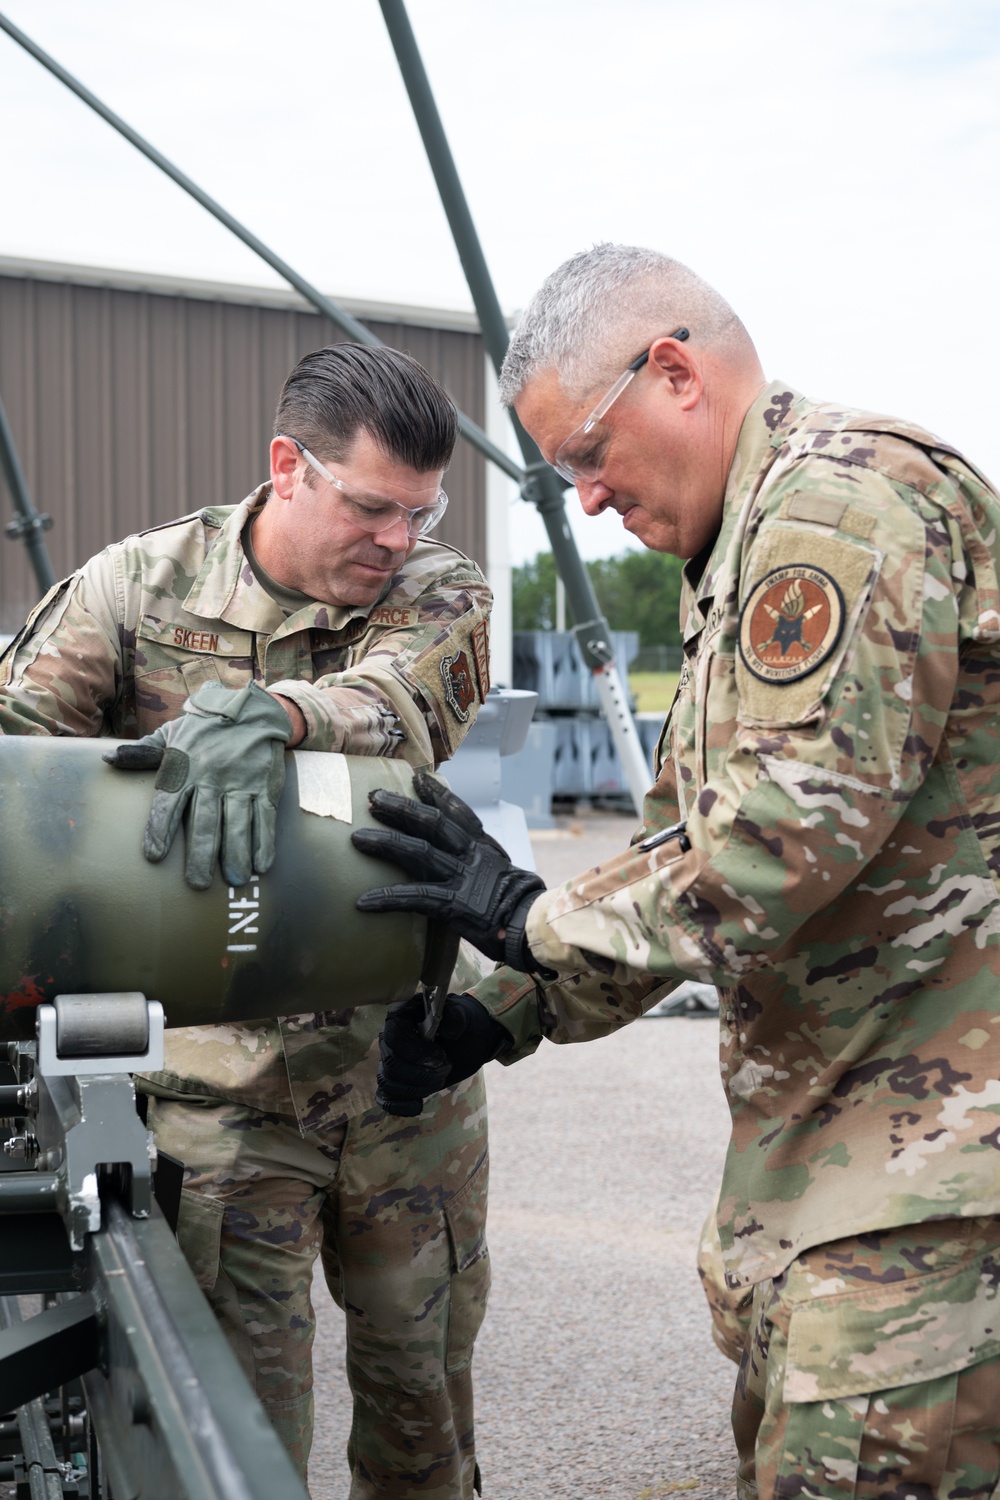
[371, 514]
[582, 453]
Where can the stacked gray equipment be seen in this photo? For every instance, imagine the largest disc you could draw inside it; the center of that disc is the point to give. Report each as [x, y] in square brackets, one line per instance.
[584, 762]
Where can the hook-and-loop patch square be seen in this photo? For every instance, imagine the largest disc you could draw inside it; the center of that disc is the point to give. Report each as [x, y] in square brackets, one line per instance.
[791, 623]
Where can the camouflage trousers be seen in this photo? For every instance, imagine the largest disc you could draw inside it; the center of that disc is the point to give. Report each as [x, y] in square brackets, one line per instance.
[872, 1368]
[395, 1209]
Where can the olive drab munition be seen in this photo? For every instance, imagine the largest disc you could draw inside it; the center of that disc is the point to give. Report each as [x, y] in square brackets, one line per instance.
[113, 941]
[82, 910]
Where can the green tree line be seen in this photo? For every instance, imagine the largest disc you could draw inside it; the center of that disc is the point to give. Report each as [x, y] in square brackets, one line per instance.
[637, 591]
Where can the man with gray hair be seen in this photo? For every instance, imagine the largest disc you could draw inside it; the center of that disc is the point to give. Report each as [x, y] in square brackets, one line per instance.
[822, 842]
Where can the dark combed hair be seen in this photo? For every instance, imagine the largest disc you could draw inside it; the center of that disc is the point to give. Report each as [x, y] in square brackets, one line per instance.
[335, 392]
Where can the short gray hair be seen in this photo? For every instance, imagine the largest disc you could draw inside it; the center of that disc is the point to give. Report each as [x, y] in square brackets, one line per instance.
[602, 307]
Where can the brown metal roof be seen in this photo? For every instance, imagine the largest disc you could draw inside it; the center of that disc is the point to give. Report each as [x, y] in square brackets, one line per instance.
[133, 399]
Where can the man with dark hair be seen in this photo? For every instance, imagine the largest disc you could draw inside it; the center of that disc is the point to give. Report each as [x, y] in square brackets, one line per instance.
[335, 392]
[822, 842]
[317, 614]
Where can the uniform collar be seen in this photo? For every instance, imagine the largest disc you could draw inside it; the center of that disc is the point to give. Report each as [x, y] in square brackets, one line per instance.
[227, 589]
[762, 434]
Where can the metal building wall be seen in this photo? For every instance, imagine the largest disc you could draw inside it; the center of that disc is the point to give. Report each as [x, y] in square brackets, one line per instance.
[132, 405]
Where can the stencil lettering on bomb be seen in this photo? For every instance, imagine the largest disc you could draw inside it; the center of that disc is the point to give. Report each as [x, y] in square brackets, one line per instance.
[244, 909]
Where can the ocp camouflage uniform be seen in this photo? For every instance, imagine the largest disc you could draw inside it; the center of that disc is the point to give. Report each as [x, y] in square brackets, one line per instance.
[730, 1307]
[275, 1122]
[833, 749]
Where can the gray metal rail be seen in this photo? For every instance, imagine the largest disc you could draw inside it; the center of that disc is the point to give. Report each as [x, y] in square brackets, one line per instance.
[169, 1409]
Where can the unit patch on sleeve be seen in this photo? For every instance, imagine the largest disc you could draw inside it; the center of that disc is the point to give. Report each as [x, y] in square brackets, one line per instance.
[459, 689]
[791, 623]
[799, 621]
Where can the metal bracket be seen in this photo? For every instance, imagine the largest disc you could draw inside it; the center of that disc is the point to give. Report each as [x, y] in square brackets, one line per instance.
[62, 1054]
[595, 647]
[28, 526]
[542, 487]
[84, 1127]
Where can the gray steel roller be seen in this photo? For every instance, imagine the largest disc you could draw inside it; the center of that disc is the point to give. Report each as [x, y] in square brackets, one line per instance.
[82, 911]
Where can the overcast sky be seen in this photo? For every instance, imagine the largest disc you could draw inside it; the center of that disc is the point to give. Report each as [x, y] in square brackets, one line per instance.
[834, 169]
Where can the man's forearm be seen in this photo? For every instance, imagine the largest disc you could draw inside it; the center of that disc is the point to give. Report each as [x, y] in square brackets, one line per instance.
[295, 714]
[354, 716]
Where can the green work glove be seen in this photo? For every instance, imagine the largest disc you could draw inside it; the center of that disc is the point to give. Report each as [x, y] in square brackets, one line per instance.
[225, 756]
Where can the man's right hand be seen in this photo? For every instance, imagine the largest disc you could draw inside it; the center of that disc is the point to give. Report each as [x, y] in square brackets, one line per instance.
[464, 878]
[412, 1068]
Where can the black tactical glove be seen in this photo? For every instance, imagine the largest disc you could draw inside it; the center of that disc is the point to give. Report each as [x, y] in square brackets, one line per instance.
[225, 756]
[466, 879]
[412, 1067]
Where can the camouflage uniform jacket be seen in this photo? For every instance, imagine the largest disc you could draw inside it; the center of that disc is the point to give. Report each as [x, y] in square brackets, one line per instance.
[117, 647]
[834, 748]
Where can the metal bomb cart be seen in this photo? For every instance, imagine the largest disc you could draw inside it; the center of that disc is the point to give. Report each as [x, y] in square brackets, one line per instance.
[123, 1385]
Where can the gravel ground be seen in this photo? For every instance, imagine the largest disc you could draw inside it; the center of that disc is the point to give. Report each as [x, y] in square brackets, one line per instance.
[595, 1370]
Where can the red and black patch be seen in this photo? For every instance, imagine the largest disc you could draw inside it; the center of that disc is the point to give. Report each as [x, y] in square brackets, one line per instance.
[791, 623]
[459, 688]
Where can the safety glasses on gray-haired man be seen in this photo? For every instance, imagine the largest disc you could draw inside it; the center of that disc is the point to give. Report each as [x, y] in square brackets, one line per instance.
[582, 453]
